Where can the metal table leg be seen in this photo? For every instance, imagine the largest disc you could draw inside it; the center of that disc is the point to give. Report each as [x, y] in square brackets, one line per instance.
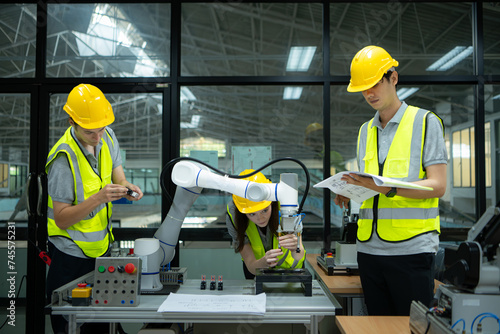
[72, 324]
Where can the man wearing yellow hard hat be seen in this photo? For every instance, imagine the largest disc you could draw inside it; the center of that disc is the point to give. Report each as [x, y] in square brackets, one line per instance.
[398, 229]
[85, 175]
[253, 227]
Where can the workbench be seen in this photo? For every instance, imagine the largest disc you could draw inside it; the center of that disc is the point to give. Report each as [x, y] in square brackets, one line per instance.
[285, 303]
[345, 287]
[373, 324]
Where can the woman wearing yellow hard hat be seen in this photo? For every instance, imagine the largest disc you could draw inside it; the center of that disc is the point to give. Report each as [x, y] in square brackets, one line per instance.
[253, 227]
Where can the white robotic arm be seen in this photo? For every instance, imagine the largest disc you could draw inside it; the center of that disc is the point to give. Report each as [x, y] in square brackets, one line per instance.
[191, 178]
[187, 174]
[170, 228]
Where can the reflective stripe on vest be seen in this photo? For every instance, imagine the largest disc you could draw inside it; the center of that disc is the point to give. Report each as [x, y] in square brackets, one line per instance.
[93, 234]
[398, 218]
[284, 261]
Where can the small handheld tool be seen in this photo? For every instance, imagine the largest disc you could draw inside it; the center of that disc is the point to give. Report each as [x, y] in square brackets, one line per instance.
[132, 193]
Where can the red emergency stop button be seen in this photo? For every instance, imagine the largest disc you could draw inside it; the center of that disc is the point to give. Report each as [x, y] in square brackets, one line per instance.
[130, 268]
[82, 285]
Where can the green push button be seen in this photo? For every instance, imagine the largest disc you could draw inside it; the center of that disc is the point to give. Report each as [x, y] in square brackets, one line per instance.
[101, 269]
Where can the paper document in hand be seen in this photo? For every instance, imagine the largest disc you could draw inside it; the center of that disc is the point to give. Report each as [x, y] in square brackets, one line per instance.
[336, 185]
[383, 181]
[388, 182]
[358, 193]
[176, 302]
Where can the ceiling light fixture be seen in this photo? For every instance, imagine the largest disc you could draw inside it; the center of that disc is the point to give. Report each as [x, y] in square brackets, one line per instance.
[300, 58]
[404, 93]
[451, 59]
[292, 93]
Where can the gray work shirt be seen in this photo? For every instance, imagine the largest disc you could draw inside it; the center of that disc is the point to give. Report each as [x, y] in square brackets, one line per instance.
[434, 153]
[60, 184]
[267, 239]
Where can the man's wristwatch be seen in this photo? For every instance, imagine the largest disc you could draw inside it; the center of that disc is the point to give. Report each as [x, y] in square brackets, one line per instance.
[393, 192]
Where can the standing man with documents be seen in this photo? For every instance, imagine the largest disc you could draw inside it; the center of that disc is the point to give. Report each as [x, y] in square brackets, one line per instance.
[398, 229]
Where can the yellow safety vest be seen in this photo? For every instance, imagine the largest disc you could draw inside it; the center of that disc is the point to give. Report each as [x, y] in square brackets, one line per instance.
[94, 233]
[397, 218]
[285, 261]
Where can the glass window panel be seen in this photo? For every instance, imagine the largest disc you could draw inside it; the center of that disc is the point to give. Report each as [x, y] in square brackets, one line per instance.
[256, 125]
[457, 160]
[487, 153]
[465, 155]
[4, 177]
[14, 155]
[492, 134]
[138, 129]
[17, 40]
[229, 39]
[472, 157]
[415, 34]
[188, 145]
[145, 178]
[491, 19]
[108, 40]
[454, 104]
[348, 112]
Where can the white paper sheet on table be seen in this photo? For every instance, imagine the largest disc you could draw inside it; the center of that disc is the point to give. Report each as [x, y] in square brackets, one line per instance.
[176, 302]
[358, 193]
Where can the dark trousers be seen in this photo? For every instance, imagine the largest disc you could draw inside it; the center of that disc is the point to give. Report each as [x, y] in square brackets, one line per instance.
[391, 283]
[63, 269]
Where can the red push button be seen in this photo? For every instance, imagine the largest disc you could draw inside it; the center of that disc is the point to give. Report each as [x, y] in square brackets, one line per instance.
[111, 269]
[130, 268]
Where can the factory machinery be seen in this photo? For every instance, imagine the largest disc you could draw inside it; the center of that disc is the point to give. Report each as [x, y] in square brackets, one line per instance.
[470, 303]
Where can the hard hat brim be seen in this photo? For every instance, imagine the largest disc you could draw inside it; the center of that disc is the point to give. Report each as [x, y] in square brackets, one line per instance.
[355, 89]
[85, 124]
[257, 207]
[98, 125]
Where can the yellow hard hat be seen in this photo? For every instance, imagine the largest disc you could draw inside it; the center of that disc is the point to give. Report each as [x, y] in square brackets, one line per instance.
[245, 205]
[368, 66]
[313, 127]
[88, 107]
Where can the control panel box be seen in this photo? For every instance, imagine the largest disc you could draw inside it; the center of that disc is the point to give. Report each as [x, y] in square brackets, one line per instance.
[117, 281]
